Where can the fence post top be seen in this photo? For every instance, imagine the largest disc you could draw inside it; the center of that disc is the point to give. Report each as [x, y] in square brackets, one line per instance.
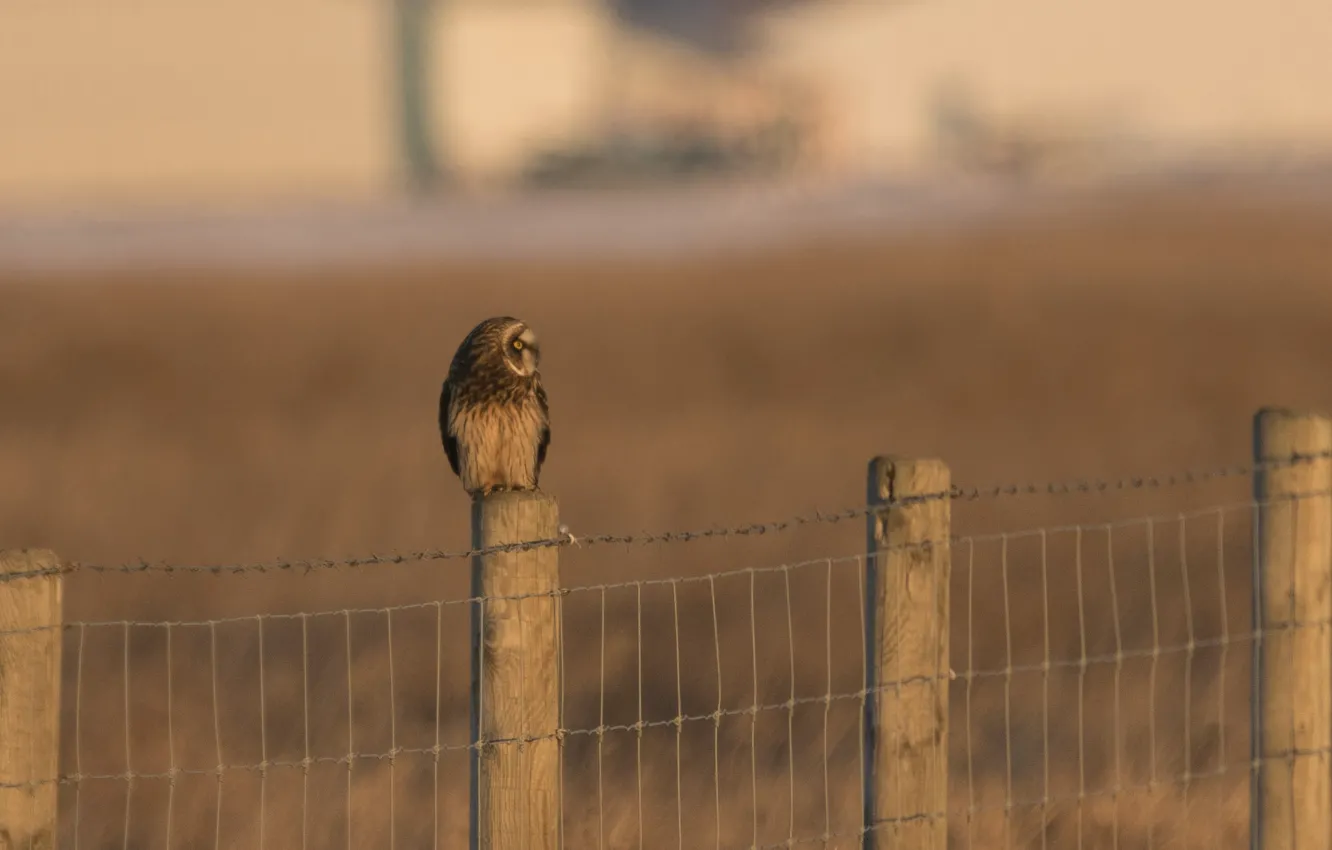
[1275, 413]
[892, 476]
[512, 517]
[1280, 433]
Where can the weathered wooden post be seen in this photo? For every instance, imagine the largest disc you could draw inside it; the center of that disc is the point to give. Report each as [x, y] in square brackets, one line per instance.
[515, 776]
[1292, 654]
[30, 635]
[907, 675]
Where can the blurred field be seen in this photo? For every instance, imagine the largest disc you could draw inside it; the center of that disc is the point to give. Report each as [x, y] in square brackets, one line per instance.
[198, 419]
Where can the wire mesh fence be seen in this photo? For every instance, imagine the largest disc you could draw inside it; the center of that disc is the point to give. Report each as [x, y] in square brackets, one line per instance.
[1100, 695]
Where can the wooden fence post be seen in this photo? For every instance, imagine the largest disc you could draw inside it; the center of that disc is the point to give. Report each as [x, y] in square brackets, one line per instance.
[1292, 654]
[515, 788]
[30, 636]
[907, 675]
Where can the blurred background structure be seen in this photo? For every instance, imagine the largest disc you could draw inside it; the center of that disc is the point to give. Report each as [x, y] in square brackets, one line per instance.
[299, 100]
[762, 242]
[298, 128]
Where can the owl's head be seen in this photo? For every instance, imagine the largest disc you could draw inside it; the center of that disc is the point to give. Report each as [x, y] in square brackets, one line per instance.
[520, 349]
[501, 343]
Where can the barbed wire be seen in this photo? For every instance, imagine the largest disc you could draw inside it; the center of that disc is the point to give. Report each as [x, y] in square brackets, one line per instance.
[567, 538]
[565, 591]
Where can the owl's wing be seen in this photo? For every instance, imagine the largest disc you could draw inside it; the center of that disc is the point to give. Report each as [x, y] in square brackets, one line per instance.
[450, 442]
[543, 440]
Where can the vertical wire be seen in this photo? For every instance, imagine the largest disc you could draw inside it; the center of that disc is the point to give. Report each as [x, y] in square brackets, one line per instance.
[439, 674]
[393, 734]
[1191, 647]
[970, 682]
[601, 733]
[790, 714]
[1222, 761]
[129, 762]
[173, 771]
[1151, 679]
[1008, 695]
[862, 565]
[1116, 720]
[263, 737]
[559, 725]
[638, 737]
[943, 676]
[1082, 685]
[827, 706]
[679, 721]
[1258, 704]
[305, 711]
[524, 730]
[753, 726]
[217, 734]
[78, 736]
[351, 745]
[1293, 625]
[1045, 689]
[897, 600]
[716, 718]
[480, 730]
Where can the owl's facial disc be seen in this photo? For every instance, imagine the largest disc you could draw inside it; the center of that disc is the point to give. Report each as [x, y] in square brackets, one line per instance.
[524, 353]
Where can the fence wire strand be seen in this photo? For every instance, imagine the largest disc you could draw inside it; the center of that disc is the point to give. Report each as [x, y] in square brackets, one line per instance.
[774, 569]
[567, 538]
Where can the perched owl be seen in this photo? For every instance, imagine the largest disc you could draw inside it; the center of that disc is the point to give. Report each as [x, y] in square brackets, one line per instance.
[493, 416]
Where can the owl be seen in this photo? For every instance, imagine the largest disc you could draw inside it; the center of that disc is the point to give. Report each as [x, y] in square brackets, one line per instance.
[493, 415]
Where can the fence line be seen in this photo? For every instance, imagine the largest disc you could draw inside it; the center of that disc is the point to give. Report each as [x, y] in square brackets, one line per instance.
[567, 538]
[955, 541]
[966, 676]
[1097, 692]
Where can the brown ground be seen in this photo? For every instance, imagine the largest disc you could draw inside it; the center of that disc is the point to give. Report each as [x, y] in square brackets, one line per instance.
[225, 420]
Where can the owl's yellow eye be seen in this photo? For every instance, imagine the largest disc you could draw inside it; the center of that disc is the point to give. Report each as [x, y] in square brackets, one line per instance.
[517, 345]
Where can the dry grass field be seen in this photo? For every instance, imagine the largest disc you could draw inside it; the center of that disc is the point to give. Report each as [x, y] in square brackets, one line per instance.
[195, 419]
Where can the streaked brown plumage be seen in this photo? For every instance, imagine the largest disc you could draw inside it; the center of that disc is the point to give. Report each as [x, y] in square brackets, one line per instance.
[493, 417]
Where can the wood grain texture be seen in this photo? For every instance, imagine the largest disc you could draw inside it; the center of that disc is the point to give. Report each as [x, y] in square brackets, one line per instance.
[906, 781]
[515, 676]
[30, 635]
[1293, 658]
